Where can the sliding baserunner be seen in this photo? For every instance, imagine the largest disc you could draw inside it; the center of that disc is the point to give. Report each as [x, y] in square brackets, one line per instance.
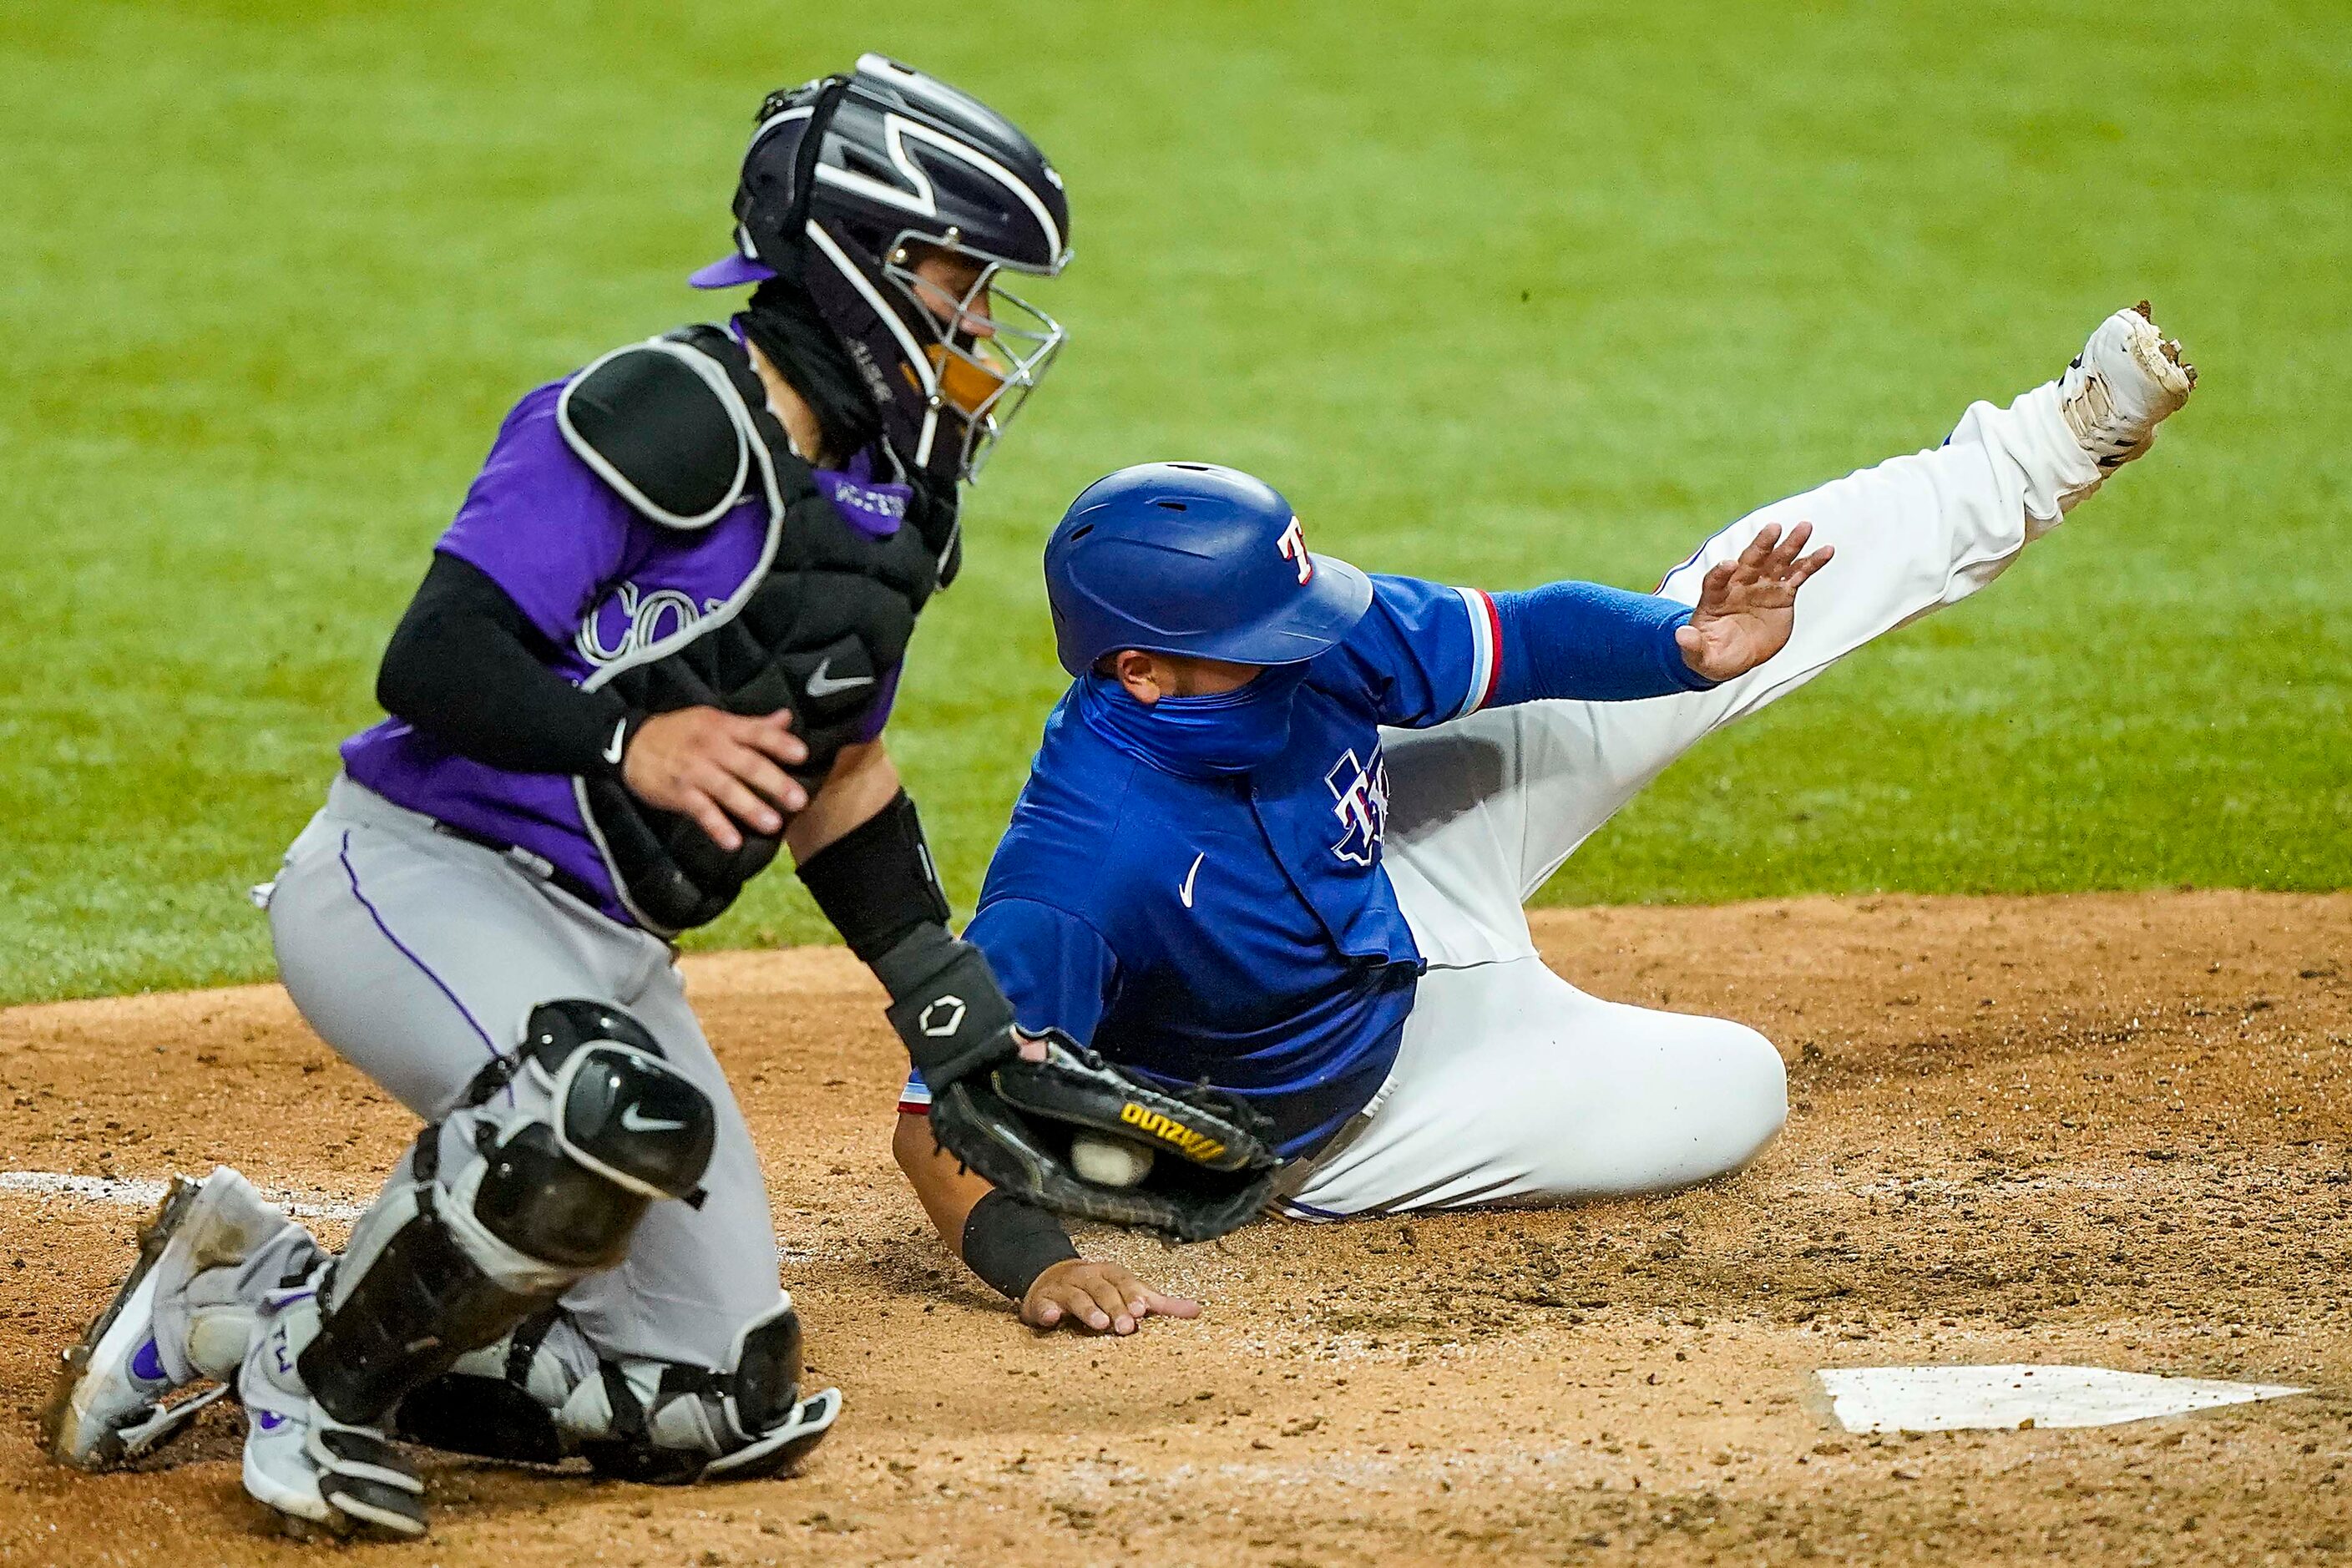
[1280, 830]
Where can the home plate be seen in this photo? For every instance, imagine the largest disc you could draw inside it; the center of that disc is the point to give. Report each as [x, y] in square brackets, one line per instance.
[2005, 1398]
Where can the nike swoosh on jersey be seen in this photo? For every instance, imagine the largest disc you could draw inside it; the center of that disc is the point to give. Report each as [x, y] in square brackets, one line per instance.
[822, 684]
[635, 1120]
[1185, 892]
[612, 747]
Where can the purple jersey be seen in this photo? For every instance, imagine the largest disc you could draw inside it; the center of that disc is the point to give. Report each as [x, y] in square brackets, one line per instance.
[601, 583]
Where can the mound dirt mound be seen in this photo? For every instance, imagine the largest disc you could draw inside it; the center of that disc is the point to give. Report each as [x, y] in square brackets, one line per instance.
[2106, 1131]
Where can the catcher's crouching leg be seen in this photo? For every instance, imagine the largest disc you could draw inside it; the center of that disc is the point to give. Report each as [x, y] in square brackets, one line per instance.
[542, 1394]
[575, 1137]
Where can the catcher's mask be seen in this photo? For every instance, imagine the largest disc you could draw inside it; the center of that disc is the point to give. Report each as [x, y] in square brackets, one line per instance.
[847, 180]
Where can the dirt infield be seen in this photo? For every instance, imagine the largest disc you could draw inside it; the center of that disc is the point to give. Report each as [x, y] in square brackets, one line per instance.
[2108, 1129]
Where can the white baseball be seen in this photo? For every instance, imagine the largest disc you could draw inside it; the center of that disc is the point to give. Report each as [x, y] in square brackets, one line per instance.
[1109, 1161]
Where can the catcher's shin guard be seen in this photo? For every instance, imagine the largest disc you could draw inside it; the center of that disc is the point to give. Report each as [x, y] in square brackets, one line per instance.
[648, 1421]
[636, 1419]
[597, 1128]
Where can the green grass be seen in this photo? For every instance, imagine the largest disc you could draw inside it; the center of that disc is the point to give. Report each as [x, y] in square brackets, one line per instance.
[1496, 293]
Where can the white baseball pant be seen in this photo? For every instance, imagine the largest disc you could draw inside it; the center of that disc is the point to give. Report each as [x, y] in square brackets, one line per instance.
[1514, 1088]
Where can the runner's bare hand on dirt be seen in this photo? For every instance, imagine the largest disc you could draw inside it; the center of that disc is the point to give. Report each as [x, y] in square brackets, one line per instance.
[719, 768]
[1747, 607]
[1104, 1297]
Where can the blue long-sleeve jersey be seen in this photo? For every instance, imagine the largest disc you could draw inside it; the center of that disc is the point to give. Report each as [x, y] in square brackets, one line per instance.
[1240, 930]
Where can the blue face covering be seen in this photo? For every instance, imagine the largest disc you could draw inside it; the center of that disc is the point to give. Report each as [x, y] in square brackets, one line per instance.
[1196, 737]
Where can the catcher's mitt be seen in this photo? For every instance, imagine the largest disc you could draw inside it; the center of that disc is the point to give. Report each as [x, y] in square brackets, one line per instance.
[1012, 1123]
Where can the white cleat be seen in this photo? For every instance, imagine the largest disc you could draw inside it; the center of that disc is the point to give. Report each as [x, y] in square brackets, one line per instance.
[312, 1470]
[2128, 379]
[108, 1404]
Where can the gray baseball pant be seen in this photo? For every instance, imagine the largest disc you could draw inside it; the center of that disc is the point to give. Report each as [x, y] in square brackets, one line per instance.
[418, 957]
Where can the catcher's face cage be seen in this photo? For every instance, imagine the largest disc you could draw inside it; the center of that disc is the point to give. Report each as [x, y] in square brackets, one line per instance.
[988, 348]
[866, 166]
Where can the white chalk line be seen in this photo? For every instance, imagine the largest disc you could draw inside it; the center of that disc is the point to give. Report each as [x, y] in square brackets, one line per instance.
[128, 1192]
[134, 1193]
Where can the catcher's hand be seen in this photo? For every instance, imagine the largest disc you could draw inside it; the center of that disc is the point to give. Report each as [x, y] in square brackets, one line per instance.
[1012, 1121]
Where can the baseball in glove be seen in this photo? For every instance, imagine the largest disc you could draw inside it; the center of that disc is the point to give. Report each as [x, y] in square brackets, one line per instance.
[1012, 1121]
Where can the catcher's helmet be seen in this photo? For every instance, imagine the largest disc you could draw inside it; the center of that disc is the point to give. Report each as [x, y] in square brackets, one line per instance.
[1189, 558]
[843, 174]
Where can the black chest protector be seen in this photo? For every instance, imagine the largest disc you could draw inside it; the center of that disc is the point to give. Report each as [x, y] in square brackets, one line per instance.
[680, 427]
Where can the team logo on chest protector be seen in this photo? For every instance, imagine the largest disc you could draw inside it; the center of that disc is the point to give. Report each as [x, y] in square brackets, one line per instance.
[1361, 801]
[637, 620]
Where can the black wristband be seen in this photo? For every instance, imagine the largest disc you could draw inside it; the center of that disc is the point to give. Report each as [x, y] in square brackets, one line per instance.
[1008, 1243]
[875, 882]
[614, 752]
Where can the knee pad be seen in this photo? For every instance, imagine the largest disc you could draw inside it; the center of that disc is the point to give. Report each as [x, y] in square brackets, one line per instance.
[598, 1128]
[621, 1129]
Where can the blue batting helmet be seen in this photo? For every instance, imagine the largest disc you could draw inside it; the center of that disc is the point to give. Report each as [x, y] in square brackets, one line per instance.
[1189, 558]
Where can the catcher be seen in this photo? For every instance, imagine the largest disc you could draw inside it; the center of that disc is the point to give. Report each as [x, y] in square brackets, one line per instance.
[1279, 834]
[658, 644]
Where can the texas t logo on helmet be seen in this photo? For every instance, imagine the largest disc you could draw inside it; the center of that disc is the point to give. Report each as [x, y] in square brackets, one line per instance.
[1197, 560]
[1293, 546]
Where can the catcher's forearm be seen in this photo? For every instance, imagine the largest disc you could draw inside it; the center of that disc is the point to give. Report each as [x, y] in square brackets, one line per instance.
[862, 785]
[876, 884]
[875, 881]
